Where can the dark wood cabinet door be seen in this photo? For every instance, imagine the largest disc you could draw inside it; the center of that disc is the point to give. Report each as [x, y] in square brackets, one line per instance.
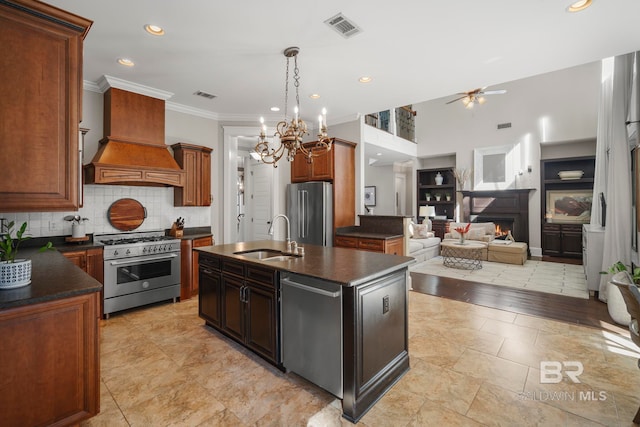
[233, 307]
[195, 161]
[210, 291]
[261, 321]
[551, 242]
[572, 243]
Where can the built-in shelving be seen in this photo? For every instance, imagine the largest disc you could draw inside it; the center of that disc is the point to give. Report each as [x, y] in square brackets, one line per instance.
[427, 186]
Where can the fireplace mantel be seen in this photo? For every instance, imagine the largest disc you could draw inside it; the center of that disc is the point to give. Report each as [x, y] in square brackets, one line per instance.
[512, 204]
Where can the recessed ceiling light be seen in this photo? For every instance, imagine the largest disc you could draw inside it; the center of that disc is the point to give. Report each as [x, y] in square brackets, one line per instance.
[275, 108]
[314, 96]
[365, 79]
[126, 62]
[154, 30]
[579, 5]
[378, 154]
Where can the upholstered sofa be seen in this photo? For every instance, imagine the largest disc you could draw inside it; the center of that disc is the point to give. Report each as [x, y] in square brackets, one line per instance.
[422, 243]
[495, 250]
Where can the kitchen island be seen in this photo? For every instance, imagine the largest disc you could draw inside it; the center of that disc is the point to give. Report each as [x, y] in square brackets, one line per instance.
[251, 292]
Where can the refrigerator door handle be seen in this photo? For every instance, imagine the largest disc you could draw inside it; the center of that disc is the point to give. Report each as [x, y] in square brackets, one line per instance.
[305, 220]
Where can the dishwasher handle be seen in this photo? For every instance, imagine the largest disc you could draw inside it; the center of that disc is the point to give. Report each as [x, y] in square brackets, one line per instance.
[309, 288]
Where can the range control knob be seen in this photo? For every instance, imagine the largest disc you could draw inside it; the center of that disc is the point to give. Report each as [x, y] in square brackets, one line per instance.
[115, 253]
[144, 250]
[128, 252]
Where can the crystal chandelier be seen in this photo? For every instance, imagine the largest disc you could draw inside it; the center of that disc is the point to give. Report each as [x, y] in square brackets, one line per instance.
[291, 133]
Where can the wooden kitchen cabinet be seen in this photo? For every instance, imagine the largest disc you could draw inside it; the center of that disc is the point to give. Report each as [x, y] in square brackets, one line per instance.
[195, 160]
[50, 362]
[42, 61]
[338, 167]
[386, 246]
[241, 301]
[320, 169]
[189, 276]
[210, 291]
[90, 261]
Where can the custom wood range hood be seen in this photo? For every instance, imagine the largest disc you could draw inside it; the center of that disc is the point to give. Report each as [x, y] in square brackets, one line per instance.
[133, 151]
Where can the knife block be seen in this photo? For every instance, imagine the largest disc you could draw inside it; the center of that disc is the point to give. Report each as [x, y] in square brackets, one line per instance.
[175, 231]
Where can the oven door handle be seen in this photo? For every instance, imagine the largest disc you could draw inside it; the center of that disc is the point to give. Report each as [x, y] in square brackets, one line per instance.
[139, 260]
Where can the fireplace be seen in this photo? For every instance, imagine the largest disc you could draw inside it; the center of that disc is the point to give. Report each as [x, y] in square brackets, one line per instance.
[508, 209]
[504, 226]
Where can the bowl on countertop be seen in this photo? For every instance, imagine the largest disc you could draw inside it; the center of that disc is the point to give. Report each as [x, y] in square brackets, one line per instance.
[570, 174]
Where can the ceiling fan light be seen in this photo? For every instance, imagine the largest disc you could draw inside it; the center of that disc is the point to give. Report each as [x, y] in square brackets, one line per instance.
[466, 100]
[481, 100]
[469, 105]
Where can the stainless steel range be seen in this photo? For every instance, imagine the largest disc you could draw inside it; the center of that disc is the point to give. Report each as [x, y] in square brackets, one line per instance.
[139, 268]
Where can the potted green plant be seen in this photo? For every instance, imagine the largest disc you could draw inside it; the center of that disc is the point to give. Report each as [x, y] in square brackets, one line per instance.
[438, 197]
[427, 196]
[14, 272]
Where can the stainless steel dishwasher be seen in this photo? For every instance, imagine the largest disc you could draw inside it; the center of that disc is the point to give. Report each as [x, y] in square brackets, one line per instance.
[312, 330]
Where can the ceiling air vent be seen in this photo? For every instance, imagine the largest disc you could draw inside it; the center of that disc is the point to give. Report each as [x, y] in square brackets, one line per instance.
[343, 26]
[204, 94]
[504, 125]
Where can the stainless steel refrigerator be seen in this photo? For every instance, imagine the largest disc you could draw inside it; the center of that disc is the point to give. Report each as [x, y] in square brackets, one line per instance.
[310, 210]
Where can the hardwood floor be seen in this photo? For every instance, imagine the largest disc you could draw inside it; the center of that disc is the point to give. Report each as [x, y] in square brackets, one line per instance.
[591, 312]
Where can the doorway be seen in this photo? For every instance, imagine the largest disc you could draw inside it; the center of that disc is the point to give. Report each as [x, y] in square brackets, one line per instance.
[237, 222]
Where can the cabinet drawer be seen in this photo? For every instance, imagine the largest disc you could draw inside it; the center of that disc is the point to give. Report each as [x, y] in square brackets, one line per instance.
[551, 227]
[233, 267]
[346, 242]
[572, 228]
[371, 244]
[209, 261]
[263, 276]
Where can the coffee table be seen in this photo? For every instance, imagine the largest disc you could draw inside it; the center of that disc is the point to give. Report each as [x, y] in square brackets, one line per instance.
[466, 256]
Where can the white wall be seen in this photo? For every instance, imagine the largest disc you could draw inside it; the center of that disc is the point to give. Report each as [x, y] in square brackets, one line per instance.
[545, 109]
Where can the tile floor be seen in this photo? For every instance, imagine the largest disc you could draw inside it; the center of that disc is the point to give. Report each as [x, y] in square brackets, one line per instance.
[470, 365]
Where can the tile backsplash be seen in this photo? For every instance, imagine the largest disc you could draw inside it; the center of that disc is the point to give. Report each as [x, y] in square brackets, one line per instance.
[97, 198]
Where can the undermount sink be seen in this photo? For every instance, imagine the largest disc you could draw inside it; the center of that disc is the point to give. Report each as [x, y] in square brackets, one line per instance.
[260, 253]
[280, 258]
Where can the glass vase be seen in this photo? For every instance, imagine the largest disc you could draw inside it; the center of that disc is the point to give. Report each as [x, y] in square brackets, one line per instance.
[461, 242]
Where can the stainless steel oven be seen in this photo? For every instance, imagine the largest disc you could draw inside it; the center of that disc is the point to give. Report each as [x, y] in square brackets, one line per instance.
[140, 270]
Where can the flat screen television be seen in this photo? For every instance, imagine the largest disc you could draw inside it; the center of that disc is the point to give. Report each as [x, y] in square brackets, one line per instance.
[603, 207]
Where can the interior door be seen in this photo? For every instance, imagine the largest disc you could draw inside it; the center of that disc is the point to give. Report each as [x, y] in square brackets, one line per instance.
[261, 177]
[401, 194]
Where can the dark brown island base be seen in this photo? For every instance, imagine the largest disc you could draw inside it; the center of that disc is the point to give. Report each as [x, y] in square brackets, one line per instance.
[337, 317]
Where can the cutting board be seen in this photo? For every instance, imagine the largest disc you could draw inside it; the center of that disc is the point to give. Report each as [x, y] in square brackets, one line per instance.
[126, 214]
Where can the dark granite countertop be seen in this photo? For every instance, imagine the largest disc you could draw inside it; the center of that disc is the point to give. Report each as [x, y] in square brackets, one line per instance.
[348, 267]
[355, 232]
[53, 277]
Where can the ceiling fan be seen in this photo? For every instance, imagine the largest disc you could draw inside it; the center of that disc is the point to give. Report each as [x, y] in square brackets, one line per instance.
[476, 96]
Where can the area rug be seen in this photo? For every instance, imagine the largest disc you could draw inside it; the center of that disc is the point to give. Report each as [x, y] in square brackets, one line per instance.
[541, 276]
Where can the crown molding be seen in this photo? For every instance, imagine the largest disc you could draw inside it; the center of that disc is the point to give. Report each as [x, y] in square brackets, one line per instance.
[192, 111]
[105, 82]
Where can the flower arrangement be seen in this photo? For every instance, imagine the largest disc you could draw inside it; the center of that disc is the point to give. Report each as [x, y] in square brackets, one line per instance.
[463, 231]
[462, 175]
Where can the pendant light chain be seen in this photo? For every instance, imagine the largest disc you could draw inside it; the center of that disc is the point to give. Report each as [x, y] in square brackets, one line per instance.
[296, 79]
[286, 91]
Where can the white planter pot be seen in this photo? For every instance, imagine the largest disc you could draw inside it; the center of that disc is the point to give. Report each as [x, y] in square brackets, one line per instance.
[616, 306]
[15, 274]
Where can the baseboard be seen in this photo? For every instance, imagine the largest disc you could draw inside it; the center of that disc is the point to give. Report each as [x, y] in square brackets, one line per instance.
[535, 252]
